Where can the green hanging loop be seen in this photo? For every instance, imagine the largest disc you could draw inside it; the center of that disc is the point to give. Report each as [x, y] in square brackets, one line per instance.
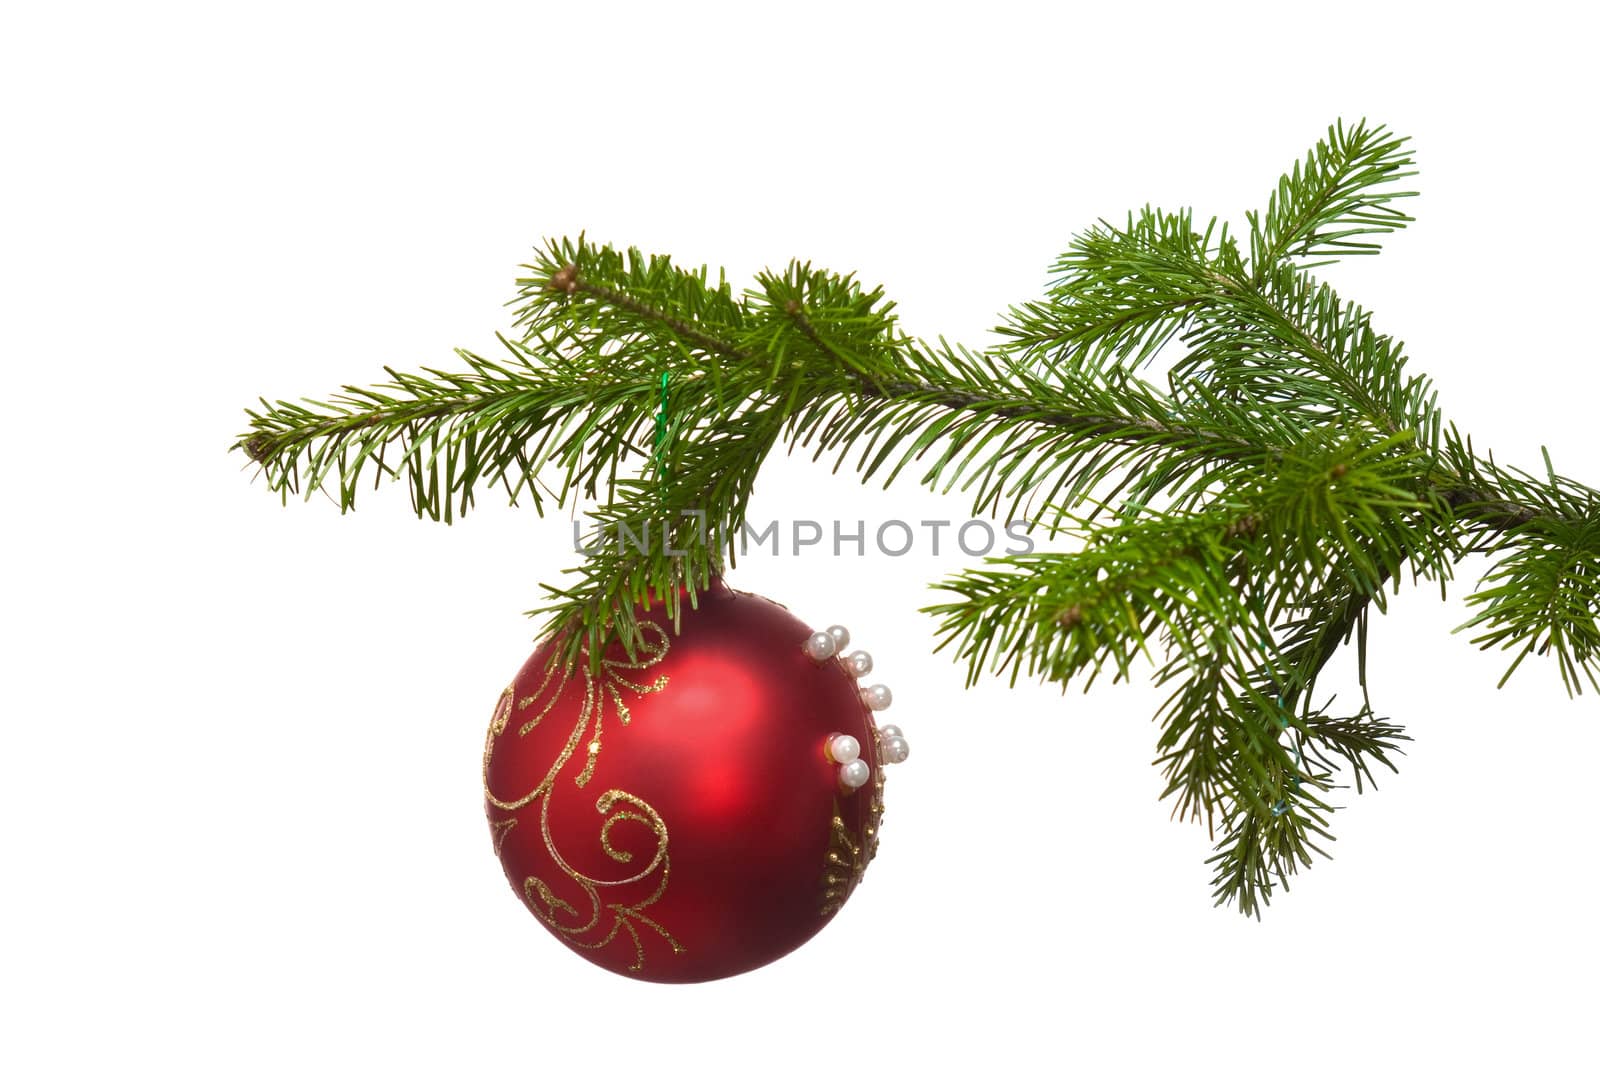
[661, 434]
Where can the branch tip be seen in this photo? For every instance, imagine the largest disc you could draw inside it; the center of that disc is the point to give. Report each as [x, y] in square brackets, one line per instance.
[258, 446]
[564, 280]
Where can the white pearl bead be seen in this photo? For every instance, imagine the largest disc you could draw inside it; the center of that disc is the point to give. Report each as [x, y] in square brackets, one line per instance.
[855, 774]
[895, 749]
[890, 730]
[859, 663]
[841, 637]
[843, 748]
[877, 697]
[821, 646]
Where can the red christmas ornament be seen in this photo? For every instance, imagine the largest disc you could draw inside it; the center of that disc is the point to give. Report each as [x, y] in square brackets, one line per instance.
[699, 812]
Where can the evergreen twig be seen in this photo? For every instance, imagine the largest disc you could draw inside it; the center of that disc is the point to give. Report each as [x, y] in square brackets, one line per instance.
[1245, 515]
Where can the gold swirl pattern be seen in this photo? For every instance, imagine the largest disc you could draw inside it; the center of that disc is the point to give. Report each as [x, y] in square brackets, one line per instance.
[843, 865]
[588, 928]
[874, 805]
[846, 862]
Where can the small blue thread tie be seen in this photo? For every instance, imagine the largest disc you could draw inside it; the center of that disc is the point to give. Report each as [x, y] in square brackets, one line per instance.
[1282, 806]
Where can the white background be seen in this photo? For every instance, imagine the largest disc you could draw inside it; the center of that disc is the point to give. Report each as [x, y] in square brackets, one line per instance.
[239, 768]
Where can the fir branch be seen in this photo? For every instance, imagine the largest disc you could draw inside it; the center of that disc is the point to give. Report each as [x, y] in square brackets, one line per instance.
[1543, 594]
[1339, 193]
[1245, 516]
